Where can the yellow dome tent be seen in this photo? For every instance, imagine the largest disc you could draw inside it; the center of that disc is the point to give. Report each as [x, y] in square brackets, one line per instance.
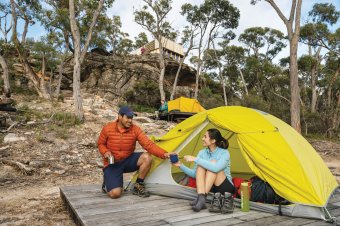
[184, 104]
[260, 144]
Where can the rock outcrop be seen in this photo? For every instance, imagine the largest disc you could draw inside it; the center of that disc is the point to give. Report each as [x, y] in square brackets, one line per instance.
[117, 74]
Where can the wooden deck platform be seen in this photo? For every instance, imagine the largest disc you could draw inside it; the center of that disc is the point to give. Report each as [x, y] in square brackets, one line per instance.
[89, 206]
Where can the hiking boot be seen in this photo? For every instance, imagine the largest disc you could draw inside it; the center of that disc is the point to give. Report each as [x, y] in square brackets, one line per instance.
[200, 203]
[104, 188]
[227, 203]
[194, 202]
[216, 203]
[139, 189]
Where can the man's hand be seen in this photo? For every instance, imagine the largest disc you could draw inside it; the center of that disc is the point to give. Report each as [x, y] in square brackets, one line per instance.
[189, 158]
[107, 154]
[167, 155]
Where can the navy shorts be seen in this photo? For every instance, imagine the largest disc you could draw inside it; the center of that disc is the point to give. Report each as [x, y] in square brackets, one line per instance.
[113, 174]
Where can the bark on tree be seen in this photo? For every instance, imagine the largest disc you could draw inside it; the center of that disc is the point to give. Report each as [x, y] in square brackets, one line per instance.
[329, 91]
[162, 68]
[293, 30]
[79, 55]
[57, 90]
[243, 81]
[5, 77]
[314, 71]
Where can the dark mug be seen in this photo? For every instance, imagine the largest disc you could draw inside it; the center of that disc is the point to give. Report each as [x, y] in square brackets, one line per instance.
[174, 158]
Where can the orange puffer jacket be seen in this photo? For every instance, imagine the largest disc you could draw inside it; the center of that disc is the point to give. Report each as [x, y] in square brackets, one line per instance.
[122, 142]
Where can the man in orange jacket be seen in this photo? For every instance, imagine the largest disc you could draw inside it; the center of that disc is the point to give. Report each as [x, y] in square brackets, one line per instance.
[118, 140]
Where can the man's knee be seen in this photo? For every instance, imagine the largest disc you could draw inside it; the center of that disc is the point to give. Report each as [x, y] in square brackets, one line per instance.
[115, 193]
[146, 158]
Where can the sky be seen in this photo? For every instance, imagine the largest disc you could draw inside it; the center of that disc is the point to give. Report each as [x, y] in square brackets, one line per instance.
[261, 14]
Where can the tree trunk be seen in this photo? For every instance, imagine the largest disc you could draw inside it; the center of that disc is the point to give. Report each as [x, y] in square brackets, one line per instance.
[176, 79]
[57, 90]
[293, 30]
[224, 90]
[78, 102]
[5, 77]
[198, 72]
[50, 83]
[162, 70]
[243, 81]
[40, 89]
[294, 85]
[313, 87]
[329, 91]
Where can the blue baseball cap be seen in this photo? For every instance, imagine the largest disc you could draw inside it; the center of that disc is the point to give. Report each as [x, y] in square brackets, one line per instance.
[125, 110]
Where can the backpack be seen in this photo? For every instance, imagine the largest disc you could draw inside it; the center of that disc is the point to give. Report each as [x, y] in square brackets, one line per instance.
[261, 191]
[237, 181]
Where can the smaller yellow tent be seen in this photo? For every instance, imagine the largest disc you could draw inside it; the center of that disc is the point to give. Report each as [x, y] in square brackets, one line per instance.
[184, 104]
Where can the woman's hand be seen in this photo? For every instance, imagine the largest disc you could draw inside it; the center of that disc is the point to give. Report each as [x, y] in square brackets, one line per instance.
[178, 164]
[189, 158]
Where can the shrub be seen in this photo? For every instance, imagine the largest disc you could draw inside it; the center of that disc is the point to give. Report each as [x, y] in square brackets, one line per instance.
[208, 99]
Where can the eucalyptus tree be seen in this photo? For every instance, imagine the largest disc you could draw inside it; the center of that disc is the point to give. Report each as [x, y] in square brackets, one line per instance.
[46, 53]
[4, 47]
[119, 41]
[212, 59]
[234, 58]
[209, 18]
[332, 72]
[317, 31]
[153, 18]
[141, 40]
[28, 12]
[80, 48]
[317, 35]
[188, 35]
[292, 24]
[262, 46]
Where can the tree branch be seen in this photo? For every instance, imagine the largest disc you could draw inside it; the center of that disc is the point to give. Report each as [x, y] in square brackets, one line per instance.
[273, 4]
[292, 11]
[89, 35]
[298, 18]
[281, 96]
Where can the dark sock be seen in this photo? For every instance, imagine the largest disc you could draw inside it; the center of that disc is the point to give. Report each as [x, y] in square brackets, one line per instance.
[139, 180]
[200, 203]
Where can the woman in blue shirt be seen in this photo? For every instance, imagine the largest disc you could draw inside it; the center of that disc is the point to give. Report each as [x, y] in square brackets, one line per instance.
[212, 173]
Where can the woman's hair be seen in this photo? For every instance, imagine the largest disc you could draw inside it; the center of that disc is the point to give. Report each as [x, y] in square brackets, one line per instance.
[220, 141]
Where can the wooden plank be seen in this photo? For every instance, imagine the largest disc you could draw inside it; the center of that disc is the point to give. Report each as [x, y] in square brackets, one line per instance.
[140, 220]
[252, 215]
[295, 221]
[121, 209]
[117, 205]
[229, 221]
[203, 214]
[266, 220]
[153, 223]
[208, 219]
[74, 214]
[85, 202]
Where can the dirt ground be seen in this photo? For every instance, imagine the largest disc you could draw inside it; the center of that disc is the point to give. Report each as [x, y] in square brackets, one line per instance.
[52, 157]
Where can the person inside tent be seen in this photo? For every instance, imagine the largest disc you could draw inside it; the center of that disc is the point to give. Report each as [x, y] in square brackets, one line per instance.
[212, 173]
[117, 140]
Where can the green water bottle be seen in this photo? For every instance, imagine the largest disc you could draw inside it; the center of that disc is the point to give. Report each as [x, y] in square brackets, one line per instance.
[244, 197]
